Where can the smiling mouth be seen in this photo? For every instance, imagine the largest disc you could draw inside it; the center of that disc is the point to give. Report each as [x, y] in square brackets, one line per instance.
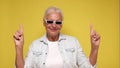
[53, 30]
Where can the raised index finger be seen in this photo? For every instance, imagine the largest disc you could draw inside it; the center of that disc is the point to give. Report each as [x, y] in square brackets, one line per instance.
[91, 29]
[21, 29]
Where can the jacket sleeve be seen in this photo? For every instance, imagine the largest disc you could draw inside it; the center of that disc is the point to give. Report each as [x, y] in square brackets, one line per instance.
[82, 60]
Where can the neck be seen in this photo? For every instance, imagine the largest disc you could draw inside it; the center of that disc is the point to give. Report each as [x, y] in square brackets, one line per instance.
[53, 38]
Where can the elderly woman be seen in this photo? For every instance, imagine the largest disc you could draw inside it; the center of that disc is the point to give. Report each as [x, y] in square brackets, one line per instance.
[55, 50]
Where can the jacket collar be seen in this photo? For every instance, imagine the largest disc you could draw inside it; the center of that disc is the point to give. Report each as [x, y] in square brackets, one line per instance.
[44, 38]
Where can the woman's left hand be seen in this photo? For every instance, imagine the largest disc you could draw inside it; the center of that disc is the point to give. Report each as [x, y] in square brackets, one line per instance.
[95, 38]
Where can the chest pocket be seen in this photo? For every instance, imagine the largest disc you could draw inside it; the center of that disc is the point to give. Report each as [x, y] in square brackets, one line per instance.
[71, 50]
[37, 53]
[70, 53]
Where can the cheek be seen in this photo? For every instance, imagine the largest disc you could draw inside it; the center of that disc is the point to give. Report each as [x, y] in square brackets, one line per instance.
[60, 26]
[47, 26]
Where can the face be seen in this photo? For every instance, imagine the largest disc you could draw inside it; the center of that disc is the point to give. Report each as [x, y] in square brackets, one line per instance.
[53, 29]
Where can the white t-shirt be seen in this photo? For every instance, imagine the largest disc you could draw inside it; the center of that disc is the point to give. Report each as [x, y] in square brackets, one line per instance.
[54, 58]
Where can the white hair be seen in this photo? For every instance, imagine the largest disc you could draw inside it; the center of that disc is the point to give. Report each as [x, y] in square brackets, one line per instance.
[53, 9]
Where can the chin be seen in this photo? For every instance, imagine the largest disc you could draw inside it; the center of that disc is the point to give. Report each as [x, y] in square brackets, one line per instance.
[53, 34]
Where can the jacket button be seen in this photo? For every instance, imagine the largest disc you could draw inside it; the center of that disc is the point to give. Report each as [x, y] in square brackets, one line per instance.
[44, 63]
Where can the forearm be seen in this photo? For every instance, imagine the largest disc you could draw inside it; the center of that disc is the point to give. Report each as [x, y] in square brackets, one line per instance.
[93, 56]
[19, 58]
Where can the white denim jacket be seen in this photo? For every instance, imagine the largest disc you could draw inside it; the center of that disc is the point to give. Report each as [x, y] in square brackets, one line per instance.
[69, 47]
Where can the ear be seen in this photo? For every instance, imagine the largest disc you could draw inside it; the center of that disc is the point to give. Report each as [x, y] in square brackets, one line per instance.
[44, 22]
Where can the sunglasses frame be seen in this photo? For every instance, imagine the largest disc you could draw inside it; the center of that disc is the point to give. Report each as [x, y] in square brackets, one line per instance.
[54, 22]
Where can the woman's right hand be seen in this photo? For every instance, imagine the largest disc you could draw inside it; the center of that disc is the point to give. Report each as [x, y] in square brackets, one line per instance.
[19, 38]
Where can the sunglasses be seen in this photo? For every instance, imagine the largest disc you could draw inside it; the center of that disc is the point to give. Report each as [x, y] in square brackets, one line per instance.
[51, 22]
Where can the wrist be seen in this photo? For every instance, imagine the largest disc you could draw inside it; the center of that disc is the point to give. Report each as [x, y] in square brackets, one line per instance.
[19, 49]
[94, 47]
[19, 46]
[94, 50]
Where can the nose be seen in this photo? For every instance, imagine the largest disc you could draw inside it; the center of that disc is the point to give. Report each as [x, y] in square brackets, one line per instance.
[54, 24]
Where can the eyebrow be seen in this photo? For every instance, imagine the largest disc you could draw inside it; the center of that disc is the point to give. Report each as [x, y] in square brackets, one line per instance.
[52, 20]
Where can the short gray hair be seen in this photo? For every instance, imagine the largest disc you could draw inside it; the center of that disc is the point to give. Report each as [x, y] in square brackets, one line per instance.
[53, 9]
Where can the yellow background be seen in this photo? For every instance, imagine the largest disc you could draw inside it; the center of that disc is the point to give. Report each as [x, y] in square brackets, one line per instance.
[78, 14]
